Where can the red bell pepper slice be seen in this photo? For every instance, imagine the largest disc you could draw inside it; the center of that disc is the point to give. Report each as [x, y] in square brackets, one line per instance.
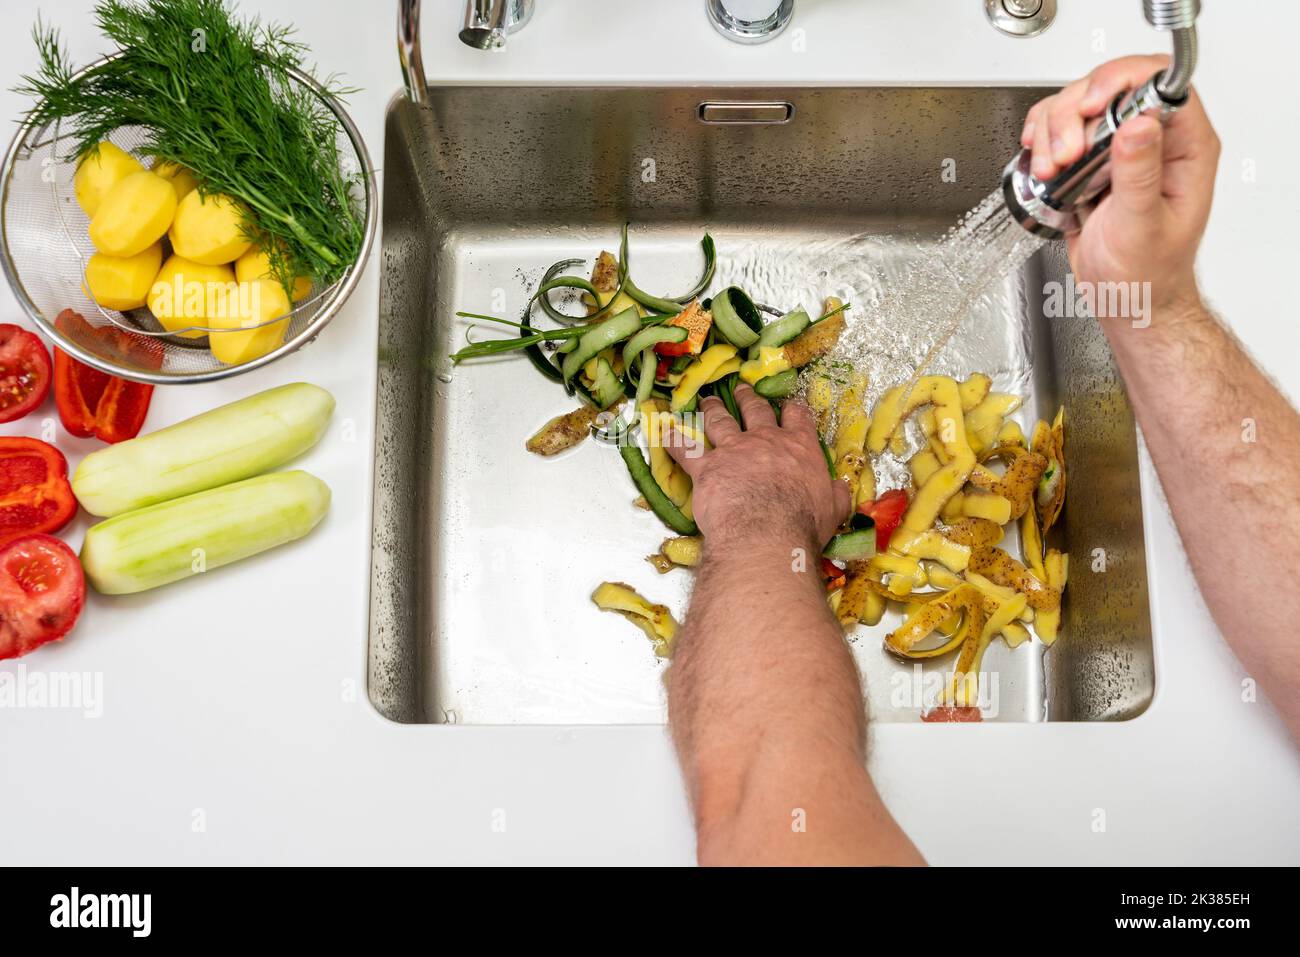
[951, 714]
[94, 403]
[673, 349]
[696, 321]
[887, 512]
[834, 575]
[34, 492]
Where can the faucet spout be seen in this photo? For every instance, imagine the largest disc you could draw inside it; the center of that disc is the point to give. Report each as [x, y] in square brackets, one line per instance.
[408, 50]
[488, 21]
[1056, 208]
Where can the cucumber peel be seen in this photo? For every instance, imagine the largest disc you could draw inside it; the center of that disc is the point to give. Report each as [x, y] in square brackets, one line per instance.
[852, 546]
[736, 317]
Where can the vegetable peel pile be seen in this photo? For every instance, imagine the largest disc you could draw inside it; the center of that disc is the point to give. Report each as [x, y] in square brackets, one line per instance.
[932, 549]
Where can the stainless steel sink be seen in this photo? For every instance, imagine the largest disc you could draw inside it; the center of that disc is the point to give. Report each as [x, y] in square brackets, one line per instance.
[484, 555]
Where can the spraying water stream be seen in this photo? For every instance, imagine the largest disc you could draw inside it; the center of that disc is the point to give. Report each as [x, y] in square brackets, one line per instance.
[949, 307]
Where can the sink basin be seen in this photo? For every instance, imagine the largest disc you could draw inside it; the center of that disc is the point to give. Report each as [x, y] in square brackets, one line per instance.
[484, 555]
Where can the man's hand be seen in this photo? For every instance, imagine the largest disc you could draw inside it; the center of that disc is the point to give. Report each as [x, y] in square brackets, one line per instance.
[764, 701]
[1224, 440]
[769, 481]
[1147, 229]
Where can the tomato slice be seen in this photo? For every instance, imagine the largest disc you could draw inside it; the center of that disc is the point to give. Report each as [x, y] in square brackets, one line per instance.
[94, 403]
[24, 372]
[34, 492]
[887, 512]
[42, 591]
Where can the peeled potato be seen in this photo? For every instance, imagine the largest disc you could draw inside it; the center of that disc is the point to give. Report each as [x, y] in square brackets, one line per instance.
[255, 264]
[186, 293]
[209, 230]
[245, 307]
[99, 172]
[123, 282]
[182, 180]
[133, 215]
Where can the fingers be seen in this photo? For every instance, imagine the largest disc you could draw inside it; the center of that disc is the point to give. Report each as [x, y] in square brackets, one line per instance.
[719, 426]
[685, 450]
[1137, 169]
[843, 500]
[754, 409]
[797, 417]
[1192, 150]
[1064, 134]
[1112, 78]
[1055, 129]
[1040, 151]
[1032, 119]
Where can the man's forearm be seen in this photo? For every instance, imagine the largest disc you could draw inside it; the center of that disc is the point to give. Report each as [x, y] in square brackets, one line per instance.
[1224, 441]
[767, 714]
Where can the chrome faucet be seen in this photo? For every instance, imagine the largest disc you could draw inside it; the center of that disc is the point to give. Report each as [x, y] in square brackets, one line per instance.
[749, 21]
[408, 50]
[1020, 18]
[1055, 208]
[486, 24]
[488, 21]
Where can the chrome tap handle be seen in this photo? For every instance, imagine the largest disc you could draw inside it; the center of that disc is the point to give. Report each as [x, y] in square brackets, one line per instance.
[750, 21]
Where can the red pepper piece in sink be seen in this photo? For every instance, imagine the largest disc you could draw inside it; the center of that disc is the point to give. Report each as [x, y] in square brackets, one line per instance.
[950, 714]
[887, 512]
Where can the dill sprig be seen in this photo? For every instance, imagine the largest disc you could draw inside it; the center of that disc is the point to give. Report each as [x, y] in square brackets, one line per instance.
[214, 94]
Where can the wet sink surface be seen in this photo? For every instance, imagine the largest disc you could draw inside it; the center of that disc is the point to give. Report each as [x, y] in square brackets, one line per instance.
[485, 555]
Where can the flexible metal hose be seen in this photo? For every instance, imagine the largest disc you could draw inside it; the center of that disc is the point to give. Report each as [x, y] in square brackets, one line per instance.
[1174, 82]
[1171, 14]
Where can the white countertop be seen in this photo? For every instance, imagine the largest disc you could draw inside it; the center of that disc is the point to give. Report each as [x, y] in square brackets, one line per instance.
[236, 726]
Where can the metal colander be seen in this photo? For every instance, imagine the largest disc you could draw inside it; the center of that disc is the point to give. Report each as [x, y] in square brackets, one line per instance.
[46, 248]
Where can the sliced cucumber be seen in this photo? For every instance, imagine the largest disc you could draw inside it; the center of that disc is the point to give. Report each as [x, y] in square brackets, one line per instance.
[610, 332]
[172, 540]
[232, 442]
[736, 317]
[646, 383]
[778, 386]
[781, 331]
[852, 546]
[651, 336]
[606, 388]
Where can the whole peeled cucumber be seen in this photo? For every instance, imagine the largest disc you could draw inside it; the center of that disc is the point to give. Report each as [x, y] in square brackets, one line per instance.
[230, 443]
[188, 536]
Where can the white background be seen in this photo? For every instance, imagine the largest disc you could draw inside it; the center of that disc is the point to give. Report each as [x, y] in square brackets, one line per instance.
[241, 695]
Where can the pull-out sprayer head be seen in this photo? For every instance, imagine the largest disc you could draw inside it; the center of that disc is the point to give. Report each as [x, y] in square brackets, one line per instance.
[1052, 209]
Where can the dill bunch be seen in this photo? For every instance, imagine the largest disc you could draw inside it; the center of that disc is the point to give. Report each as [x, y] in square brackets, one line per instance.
[214, 94]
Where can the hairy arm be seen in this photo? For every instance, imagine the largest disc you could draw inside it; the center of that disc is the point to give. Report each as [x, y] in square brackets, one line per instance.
[1227, 447]
[1224, 440]
[764, 700]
